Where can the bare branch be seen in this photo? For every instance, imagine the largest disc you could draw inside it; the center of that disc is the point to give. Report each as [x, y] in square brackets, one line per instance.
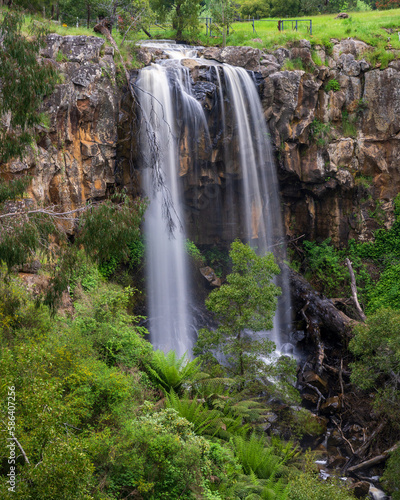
[20, 447]
[354, 290]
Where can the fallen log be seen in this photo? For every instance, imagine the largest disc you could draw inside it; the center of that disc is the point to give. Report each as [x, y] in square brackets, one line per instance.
[319, 308]
[375, 460]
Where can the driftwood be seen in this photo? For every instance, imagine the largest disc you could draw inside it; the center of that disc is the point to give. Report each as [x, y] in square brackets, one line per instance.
[318, 309]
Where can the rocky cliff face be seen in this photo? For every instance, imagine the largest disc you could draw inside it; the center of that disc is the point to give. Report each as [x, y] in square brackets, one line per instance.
[74, 158]
[336, 144]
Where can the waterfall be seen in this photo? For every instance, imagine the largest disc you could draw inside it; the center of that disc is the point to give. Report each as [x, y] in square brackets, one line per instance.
[179, 124]
[160, 89]
[259, 202]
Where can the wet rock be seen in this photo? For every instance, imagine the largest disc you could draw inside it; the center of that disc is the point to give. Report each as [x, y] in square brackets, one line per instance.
[202, 90]
[335, 439]
[331, 405]
[336, 462]
[377, 494]
[315, 380]
[360, 489]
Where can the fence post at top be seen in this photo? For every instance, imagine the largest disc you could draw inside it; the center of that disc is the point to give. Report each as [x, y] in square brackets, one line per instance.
[206, 26]
[210, 24]
[254, 30]
[310, 27]
[296, 24]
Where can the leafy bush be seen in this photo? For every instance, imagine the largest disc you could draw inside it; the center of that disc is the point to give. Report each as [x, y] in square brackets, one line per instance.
[329, 273]
[255, 457]
[348, 125]
[194, 252]
[376, 347]
[308, 485]
[254, 8]
[391, 476]
[320, 132]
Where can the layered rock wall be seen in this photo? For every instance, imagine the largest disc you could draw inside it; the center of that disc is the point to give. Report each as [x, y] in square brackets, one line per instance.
[335, 129]
[74, 158]
[337, 150]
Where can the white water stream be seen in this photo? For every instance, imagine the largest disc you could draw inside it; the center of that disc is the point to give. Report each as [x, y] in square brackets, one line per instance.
[168, 106]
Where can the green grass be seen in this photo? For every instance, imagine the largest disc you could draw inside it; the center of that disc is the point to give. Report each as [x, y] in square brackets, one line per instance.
[365, 26]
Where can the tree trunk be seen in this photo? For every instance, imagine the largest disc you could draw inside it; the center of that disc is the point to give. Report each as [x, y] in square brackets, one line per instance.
[88, 16]
[178, 21]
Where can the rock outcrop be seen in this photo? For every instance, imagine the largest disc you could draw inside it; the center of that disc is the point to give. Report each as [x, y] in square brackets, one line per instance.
[335, 128]
[74, 159]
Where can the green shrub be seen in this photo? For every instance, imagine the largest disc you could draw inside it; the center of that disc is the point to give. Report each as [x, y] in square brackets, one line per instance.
[332, 85]
[391, 476]
[320, 132]
[293, 64]
[169, 372]
[348, 126]
[316, 59]
[376, 347]
[194, 253]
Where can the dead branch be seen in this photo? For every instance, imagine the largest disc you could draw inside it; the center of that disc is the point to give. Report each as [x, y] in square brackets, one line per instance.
[363, 448]
[341, 433]
[21, 449]
[341, 378]
[319, 394]
[168, 209]
[305, 298]
[354, 290]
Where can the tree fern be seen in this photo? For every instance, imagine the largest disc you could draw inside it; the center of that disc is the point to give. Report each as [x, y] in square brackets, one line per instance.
[169, 372]
[255, 456]
[205, 421]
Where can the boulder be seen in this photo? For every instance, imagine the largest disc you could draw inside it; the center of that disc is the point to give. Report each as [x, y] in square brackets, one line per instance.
[209, 274]
[315, 380]
[246, 57]
[349, 46]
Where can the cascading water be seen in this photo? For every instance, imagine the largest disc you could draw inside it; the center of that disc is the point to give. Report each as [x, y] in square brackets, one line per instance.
[172, 113]
[160, 88]
[258, 204]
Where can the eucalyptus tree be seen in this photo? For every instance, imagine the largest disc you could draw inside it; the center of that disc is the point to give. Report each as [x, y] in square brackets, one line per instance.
[184, 14]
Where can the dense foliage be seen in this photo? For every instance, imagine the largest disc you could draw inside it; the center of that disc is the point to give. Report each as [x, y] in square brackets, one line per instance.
[245, 306]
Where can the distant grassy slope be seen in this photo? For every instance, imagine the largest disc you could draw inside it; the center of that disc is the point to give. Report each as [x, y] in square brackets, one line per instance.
[366, 26]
